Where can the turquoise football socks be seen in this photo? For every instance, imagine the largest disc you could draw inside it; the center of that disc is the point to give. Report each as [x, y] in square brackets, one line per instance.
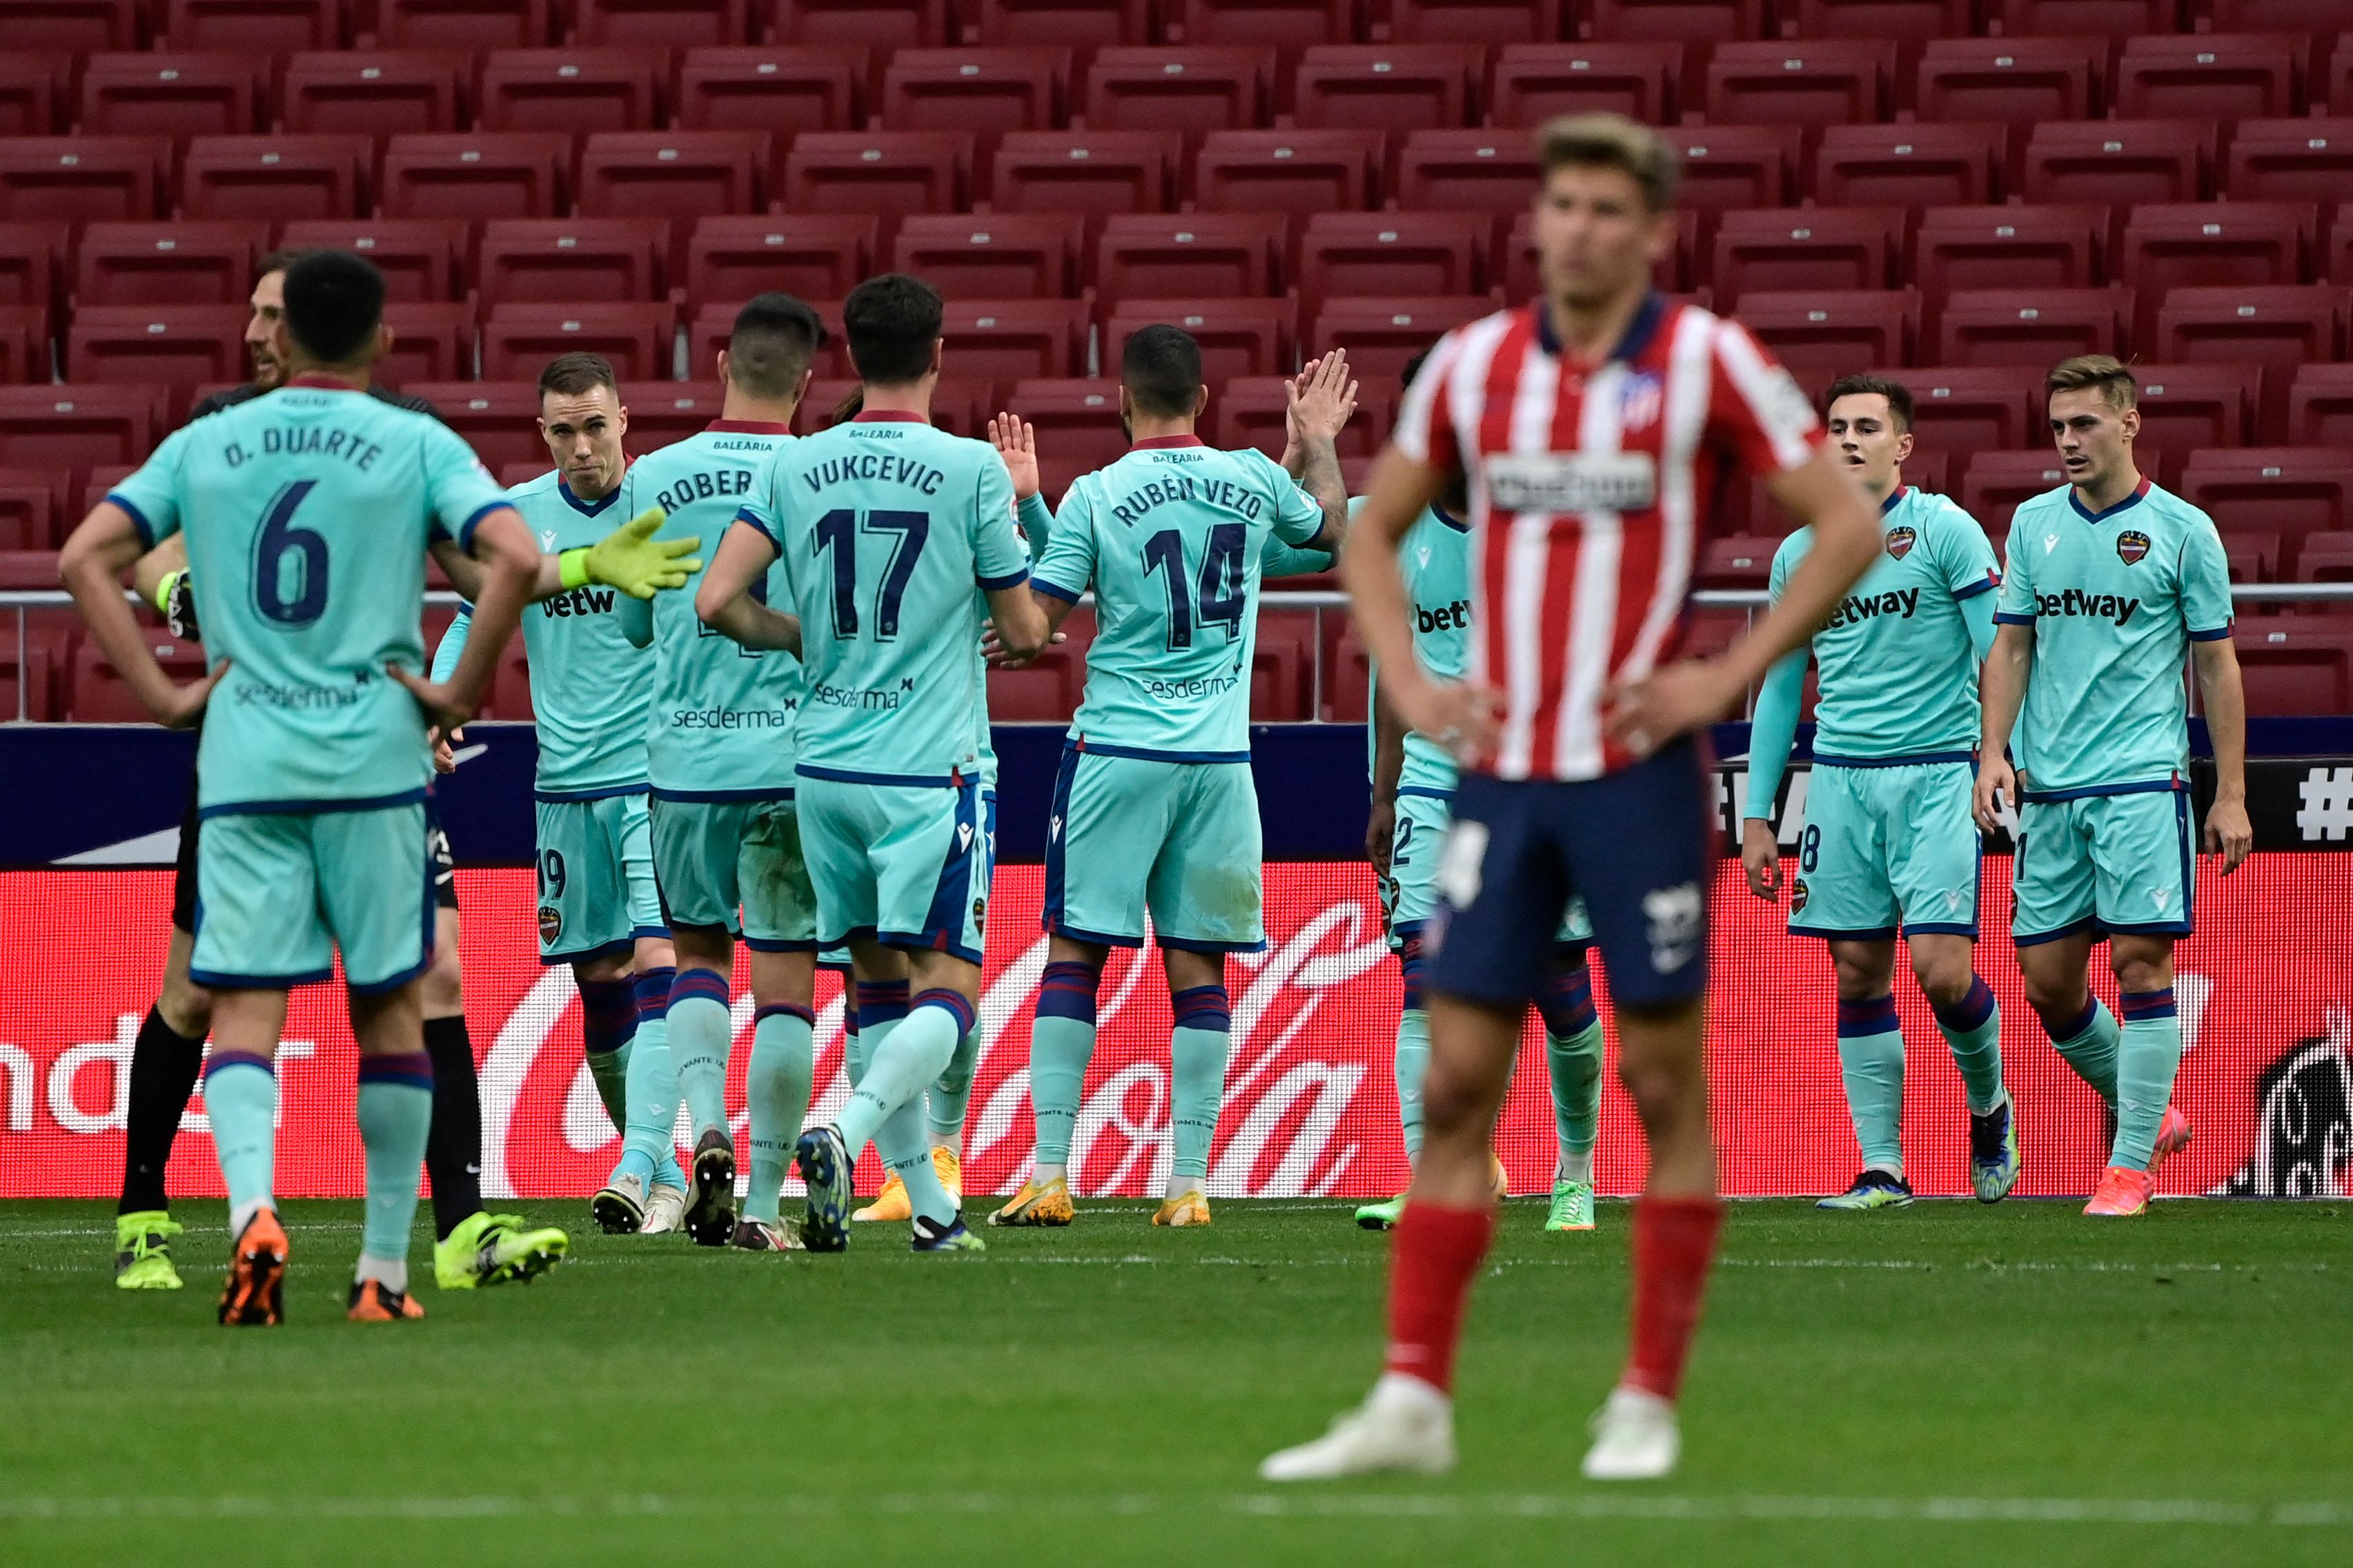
[2088, 1043]
[395, 1112]
[701, 1032]
[241, 1098]
[1871, 1061]
[2149, 1056]
[1062, 1042]
[1972, 1028]
[608, 1018]
[1198, 1049]
[1573, 1058]
[776, 1093]
[899, 1068]
[950, 1097]
[1412, 1062]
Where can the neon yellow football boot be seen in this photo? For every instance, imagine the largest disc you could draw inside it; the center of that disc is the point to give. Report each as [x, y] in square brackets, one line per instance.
[142, 1251]
[494, 1249]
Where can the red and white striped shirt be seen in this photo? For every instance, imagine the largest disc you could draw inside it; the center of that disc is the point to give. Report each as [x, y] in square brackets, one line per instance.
[1591, 492]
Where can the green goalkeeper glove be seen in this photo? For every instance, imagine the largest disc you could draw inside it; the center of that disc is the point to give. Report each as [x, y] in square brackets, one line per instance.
[632, 560]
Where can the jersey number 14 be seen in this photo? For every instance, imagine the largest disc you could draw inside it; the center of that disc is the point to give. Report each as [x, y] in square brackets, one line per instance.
[1214, 597]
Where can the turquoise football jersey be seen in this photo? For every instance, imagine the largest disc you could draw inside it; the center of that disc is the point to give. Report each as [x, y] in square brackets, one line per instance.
[723, 714]
[308, 514]
[1899, 674]
[1434, 558]
[591, 690]
[2115, 598]
[884, 526]
[1169, 537]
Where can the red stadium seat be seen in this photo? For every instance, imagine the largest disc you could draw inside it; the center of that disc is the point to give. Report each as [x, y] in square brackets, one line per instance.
[1283, 24]
[2295, 665]
[2288, 490]
[2320, 406]
[1480, 22]
[1384, 87]
[1189, 254]
[670, 173]
[497, 419]
[2213, 245]
[1282, 663]
[1909, 21]
[167, 263]
[2011, 81]
[1992, 409]
[2119, 161]
[169, 95]
[1684, 21]
[2210, 77]
[100, 696]
[462, 26]
[2037, 327]
[571, 258]
[1816, 81]
[1531, 83]
[24, 346]
[69, 27]
[821, 255]
[1515, 266]
[32, 256]
[32, 93]
[2292, 160]
[1250, 411]
[871, 24]
[570, 92]
[432, 340]
[1096, 174]
[661, 411]
[76, 426]
[784, 91]
[1393, 253]
[81, 179]
[876, 172]
[1821, 336]
[30, 502]
[519, 338]
[663, 24]
[1078, 427]
[1062, 23]
[1007, 340]
[2185, 408]
[1737, 560]
[474, 174]
[1198, 88]
[2007, 247]
[152, 344]
[1287, 171]
[28, 685]
[273, 177]
[1908, 165]
[420, 258]
[1813, 247]
[997, 255]
[1728, 166]
[1466, 170]
[1381, 335]
[1996, 483]
[2253, 558]
[2025, 18]
[1238, 337]
[2282, 326]
[984, 91]
[252, 26]
[1044, 691]
[394, 94]
[2325, 558]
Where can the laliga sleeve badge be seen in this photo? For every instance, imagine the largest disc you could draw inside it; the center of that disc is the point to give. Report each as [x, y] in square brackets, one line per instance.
[1900, 541]
[2131, 546]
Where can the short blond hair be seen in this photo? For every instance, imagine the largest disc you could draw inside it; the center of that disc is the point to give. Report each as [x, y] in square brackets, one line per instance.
[2106, 373]
[1612, 141]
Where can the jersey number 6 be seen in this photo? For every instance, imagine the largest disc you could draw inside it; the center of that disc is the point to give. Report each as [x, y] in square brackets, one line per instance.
[289, 563]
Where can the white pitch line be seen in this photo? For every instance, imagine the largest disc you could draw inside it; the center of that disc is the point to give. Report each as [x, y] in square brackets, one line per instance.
[1940, 1510]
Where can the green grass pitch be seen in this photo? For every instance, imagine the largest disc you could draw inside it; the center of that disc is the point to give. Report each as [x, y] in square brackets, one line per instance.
[1947, 1384]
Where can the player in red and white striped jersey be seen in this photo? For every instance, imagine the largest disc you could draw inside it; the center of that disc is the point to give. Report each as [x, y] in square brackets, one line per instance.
[1595, 426]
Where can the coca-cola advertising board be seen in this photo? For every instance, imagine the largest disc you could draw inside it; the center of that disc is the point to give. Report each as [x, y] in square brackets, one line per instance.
[2265, 989]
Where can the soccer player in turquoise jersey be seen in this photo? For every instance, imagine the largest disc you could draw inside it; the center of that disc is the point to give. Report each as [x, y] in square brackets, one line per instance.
[592, 695]
[2111, 581]
[1889, 844]
[726, 831]
[885, 525]
[1413, 784]
[309, 513]
[1154, 810]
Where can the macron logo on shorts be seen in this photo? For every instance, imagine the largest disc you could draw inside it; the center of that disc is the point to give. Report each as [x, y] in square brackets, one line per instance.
[1674, 914]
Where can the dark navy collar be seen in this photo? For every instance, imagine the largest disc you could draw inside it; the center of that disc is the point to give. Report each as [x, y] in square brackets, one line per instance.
[1894, 497]
[1638, 335]
[2075, 499]
[1449, 519]
[590, 509]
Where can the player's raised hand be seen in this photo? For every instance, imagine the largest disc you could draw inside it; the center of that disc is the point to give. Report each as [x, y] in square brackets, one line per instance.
[1646, 714]
[2228, 833]
[1997, 785]
[1321, 398]
[1760, 857]
[443, 711]
[632, 560]
[1017, 443]
[183, 702]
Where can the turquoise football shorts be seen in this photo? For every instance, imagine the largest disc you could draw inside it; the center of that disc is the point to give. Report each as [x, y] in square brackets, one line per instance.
[715, 859]
[1135, 835]
[278, 893]
[2120, 862]
[596, 891]
[905, 865]
[1886, 849]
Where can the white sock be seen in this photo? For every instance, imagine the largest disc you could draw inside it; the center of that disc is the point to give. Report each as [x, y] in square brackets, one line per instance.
[1050, 1174]
[1576, 1165]
[392, 1276]
[242, 1216]
[1398, 1388]
[1179, 1185]
[940, 1142]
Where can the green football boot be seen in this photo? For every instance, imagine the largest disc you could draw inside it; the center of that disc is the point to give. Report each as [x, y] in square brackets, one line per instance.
[931, 1235]
[495, 1250]
[1873, 1189]
[1572, 1206]
[1381, 1215]
[142, 1251]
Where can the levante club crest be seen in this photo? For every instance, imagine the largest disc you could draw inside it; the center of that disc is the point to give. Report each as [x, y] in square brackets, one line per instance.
[1900, 541]
[2132, 544]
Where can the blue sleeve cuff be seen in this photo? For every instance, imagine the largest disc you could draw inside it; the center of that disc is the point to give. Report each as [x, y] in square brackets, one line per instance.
[743, 516]
[1068, 595]
[2011, 618]
[1982, 585]
[466, 528]
[997, 585]
[2215, 635]
[138, 518]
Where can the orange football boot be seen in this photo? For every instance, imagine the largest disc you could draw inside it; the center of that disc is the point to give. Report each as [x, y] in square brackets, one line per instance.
[255, 1293]
[2123, 1192]
[371, 1302]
